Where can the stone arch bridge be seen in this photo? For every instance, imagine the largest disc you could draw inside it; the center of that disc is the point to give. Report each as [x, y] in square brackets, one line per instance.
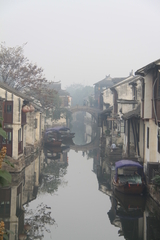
[93, 111]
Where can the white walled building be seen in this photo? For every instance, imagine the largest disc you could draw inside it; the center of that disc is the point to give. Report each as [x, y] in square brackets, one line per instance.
[22, 125]
[150, 112]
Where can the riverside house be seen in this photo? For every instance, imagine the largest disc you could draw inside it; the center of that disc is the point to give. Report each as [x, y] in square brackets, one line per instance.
[151, 116]
[119, 104]
[23, 121]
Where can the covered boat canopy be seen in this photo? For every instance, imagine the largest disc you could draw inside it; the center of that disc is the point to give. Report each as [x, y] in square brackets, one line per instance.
[57, 129]
[126, 163]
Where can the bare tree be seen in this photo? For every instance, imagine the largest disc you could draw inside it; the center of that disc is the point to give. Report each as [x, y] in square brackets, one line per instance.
[17, 72]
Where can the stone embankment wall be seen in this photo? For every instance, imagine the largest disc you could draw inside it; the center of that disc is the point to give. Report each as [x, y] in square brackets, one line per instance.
[154, 192]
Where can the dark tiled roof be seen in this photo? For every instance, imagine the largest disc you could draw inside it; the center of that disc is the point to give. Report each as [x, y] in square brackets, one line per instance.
[144, 70]
[104, 81]
[14, 91]
[129, 79]
[108, 82]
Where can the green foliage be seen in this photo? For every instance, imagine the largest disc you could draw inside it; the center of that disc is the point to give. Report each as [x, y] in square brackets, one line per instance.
[156, 180]
[53, 175]
[8, 163]
[5, 236]
[5, 178]
[2, 132]
[18, 72]
[39, 220]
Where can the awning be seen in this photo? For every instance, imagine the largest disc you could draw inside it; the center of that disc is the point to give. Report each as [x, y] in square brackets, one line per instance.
[133, 113]
[107, 110]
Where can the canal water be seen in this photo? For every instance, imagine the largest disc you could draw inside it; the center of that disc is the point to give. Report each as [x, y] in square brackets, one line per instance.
[65, 192]
[79, 209]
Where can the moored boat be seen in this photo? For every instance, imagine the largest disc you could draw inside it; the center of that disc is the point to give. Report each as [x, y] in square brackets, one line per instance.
[57, 135]
[128, 177]
[52, 138]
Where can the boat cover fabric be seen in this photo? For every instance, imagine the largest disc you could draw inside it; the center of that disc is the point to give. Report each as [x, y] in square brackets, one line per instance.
[126, 163]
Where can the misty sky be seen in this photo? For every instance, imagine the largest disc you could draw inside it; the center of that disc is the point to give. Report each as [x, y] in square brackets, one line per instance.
[82, 41]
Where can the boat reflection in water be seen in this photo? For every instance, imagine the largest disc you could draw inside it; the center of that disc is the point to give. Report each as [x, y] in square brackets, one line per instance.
[56, 136]
[127, 214]
[128, 177]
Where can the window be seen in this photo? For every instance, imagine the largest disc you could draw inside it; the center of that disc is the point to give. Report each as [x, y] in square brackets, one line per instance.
[35, 123]
[9, 137]
[19, 135]
[147, 137]
[122, 127]
[9, 108]
[159, 140]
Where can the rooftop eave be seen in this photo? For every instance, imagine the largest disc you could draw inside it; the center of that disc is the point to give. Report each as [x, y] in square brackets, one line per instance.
[145, 70]
[108, 110]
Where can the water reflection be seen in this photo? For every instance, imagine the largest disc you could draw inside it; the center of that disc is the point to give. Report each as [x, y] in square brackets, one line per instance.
[27, 205]
[85, 128]
[127, 213]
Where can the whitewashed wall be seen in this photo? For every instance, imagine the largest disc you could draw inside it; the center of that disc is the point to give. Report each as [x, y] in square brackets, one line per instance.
[30, 131]
[107, 97]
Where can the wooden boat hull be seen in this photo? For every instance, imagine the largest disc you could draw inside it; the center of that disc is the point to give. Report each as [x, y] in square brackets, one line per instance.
[133, 189]
[56, 143]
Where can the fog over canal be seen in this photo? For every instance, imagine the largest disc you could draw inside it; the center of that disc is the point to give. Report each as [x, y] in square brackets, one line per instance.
[81, 204]
[78, 207]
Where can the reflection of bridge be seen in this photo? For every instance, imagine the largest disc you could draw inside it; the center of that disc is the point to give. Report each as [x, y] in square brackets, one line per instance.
[89, 146]
[93, 111]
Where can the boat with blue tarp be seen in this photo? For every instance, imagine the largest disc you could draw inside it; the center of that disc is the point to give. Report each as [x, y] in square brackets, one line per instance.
[128, 177]
[55, 136]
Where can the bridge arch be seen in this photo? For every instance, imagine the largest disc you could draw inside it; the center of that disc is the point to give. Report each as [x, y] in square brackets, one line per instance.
[86, 147]
[93, 111]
